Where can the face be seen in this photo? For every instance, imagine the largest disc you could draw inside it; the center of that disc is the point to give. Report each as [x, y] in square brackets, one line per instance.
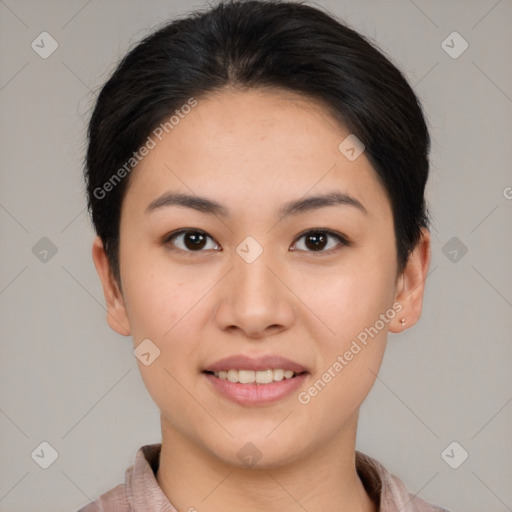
[269, 272]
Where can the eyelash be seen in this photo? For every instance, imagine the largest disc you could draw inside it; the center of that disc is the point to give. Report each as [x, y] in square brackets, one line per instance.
[342, 239]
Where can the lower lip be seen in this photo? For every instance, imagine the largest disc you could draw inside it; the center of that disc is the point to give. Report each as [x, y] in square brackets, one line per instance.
[256, 394]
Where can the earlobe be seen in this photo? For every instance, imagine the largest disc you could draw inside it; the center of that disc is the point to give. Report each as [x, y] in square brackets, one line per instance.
[411, 285]
[117, 317]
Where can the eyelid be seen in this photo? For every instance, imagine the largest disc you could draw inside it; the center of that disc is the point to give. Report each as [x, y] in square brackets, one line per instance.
[170, 236]
[343, 240]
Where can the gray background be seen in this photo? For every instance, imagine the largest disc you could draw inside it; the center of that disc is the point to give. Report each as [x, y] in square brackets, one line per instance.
[67, 379]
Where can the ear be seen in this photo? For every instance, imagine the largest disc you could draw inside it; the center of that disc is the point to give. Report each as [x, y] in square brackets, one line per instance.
[411, 285]
[116, 312]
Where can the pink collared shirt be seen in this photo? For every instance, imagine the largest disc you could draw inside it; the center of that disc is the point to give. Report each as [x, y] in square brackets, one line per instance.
[141, 492]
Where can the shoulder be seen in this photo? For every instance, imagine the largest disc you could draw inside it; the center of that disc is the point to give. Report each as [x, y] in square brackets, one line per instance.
[114, 500]
[139, 488]
[388, 490]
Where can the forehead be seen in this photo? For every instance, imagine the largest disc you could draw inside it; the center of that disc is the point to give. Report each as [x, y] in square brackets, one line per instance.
[254, 145]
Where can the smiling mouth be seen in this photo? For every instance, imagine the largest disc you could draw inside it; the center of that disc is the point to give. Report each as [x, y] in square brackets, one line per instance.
[261, 377]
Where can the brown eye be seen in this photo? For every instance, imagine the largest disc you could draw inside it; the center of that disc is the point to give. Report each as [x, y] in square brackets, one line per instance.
[190, 240]
[319, 241]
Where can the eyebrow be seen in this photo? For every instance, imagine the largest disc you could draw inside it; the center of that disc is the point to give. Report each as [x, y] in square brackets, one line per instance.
[295, 207]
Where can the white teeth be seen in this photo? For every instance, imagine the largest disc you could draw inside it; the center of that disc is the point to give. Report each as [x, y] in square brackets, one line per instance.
[251, 376]
[264, 376]
[246, 376]
[279, 374]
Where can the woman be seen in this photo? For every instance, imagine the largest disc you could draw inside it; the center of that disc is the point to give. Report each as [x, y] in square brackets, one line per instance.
[255, 176]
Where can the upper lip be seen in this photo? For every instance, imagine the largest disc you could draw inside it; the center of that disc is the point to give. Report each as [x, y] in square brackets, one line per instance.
[241, 362]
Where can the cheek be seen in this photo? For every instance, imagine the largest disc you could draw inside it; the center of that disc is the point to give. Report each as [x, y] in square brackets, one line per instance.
[349, 358]
[358, 343]
[157, 297]
[168, 306]
[351, 303]
[350, 299]
[161, 307]
[153, 306]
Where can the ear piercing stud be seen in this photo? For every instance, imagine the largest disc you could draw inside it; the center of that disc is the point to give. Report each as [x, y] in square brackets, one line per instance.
[402, 321]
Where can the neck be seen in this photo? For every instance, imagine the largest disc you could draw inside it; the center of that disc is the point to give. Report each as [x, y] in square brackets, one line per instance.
[194, 479]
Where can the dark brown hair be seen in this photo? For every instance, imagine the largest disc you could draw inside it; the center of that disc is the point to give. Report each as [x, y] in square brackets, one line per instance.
[259, 44]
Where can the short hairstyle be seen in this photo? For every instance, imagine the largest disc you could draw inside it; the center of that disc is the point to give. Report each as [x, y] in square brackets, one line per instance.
[259, 44]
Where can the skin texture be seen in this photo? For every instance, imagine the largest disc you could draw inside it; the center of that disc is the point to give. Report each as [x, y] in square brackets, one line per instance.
[252, 151]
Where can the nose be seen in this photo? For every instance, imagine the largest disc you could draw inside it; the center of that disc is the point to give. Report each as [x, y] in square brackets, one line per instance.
[255, 299]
